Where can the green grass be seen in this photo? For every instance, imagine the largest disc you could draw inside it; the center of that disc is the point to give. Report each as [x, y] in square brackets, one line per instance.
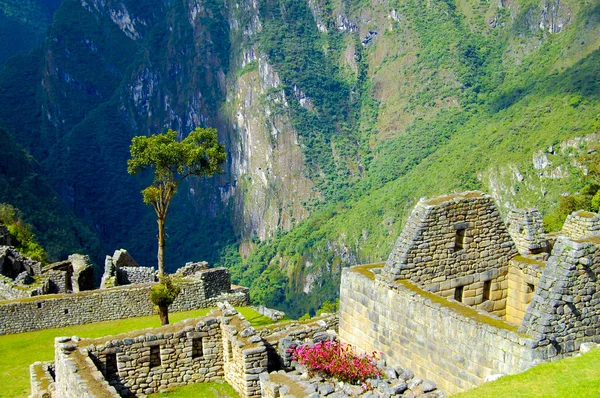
[571, 377]
[209, 390]
[18, 351]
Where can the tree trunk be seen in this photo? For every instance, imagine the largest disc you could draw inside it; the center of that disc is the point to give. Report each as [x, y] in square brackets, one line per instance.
[161, 249]
[163, 313]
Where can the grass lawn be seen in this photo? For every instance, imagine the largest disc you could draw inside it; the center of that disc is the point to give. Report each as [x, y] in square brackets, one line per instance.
[18, 351]
[205, 390]
[571, 377]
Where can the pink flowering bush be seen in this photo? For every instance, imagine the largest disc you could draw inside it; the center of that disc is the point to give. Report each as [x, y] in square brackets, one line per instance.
[335, 359]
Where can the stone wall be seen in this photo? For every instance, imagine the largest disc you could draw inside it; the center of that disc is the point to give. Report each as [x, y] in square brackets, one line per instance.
[221, 345]
[4, 236]
[41, 379]
[135, 275]
[526, 228]
[166, 357]
[76, 375]
[53, 311]
[581, 224]
[523, 277]
[448, 238]
[447, 342]
[565, 308]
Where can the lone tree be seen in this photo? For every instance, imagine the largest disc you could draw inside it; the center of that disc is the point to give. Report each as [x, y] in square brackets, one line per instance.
[172, 161]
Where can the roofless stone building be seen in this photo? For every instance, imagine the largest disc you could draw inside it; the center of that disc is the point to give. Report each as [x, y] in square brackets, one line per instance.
[463, 296]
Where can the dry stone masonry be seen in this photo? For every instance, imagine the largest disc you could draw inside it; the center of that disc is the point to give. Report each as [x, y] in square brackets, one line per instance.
[456, 301]
[220, 346]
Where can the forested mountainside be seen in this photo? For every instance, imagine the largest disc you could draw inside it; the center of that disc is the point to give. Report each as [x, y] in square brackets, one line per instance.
[336, 116]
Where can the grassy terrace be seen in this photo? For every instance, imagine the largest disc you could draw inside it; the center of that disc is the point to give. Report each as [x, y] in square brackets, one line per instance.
[571, 377]
[18, 351]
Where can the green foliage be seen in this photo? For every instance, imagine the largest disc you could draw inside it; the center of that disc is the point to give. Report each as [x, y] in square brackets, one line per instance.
[164, 292]
[199, 154]
[329, 307]
[21, 234]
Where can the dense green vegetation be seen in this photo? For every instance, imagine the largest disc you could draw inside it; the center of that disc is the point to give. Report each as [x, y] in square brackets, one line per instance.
[391, 102]
[24, 24]
[507, 101]
[20, 233]
[23, 186]
[18, 351]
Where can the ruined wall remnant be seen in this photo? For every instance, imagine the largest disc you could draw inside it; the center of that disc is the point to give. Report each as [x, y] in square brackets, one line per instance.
[44, 312]
[438, 341]
[4, 236]
[121, 269]
[565, 308]
[448, 238]
[219, 346]
[457, 303]
[581, 224]
[526, 228]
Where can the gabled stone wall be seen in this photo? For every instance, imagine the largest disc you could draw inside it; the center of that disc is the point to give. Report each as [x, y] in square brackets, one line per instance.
[581, 224]
[448, 238]
[565, 308]
[526, 228]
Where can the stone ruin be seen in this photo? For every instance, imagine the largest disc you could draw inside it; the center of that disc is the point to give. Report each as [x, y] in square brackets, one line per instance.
[60, 294]
[464, 297]
[121, 269]
[219, 346]
[22, 277]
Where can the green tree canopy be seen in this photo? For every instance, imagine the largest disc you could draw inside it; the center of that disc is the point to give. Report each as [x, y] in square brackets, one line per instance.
[172, 161]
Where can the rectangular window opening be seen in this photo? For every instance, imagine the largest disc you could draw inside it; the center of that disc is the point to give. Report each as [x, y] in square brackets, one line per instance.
[459, 239]
[155, 356]
[197, 350]
[530, 288]
[66, 311]
[487, 290]
[39, 304]
[458, 293]
[229, 350]
[111, 364]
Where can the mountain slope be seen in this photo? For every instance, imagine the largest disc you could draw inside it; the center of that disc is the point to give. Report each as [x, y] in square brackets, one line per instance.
[337, 116]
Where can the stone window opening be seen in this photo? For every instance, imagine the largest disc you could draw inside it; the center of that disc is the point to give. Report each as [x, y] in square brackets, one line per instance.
[111, 364]
[459, 238]
[530, 289]
[155, 356]
[458, 293]
[229, 351]
[197, 349]
[39, 305]
[66, 311]
[487, 290]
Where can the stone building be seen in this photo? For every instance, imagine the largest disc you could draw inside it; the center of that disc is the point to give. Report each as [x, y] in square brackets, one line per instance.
[220, 346]
[463, 297]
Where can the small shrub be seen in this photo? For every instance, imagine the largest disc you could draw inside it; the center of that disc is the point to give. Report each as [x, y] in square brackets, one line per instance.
[335, 359]
[165, 292]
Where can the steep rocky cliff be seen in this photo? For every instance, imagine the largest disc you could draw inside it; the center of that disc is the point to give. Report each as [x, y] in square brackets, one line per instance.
[336, 116]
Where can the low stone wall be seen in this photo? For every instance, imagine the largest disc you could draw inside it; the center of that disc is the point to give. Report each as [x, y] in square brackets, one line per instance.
[76, 374]
[581, 224]
[41, 379]
[166, 357]
[9, 291]
[453, 345]
[54, 311]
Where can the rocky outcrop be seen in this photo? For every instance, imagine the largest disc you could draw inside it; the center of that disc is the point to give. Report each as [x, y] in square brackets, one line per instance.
[121, 269]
